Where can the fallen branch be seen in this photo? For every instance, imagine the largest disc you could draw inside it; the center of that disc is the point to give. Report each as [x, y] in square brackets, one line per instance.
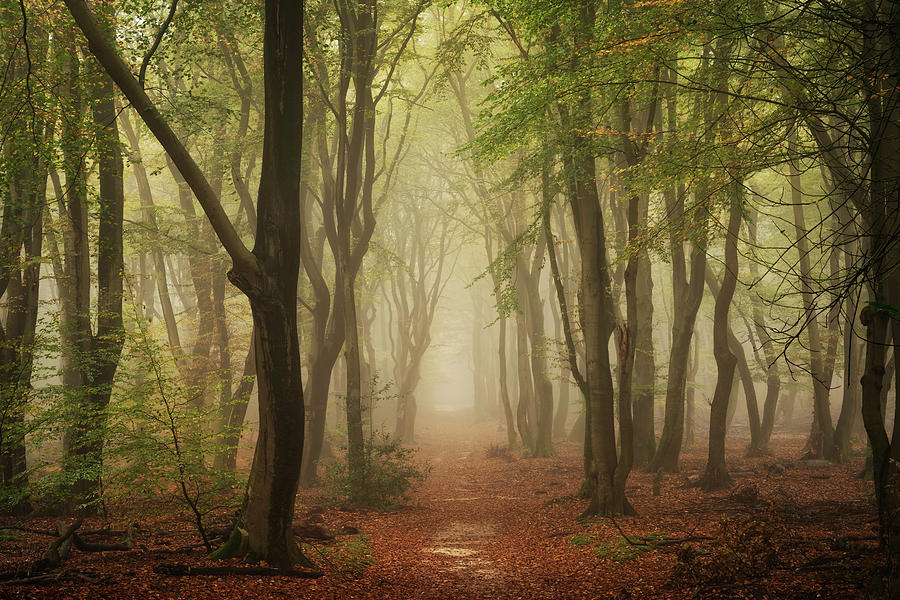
[29, 530]
[58, 549]
[34, 579]
[55, 577]
[562, 533]
[85, 546]
[179, 570]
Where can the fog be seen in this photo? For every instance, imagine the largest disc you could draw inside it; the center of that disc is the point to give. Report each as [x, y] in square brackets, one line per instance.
[640, 243]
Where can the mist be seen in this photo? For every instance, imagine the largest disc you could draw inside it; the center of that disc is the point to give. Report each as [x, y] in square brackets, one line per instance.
[449, 300]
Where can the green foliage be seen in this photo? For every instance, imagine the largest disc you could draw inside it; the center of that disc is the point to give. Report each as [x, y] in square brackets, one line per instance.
[8, 536]
[161, 437]
[387, 471]
[585, 538]
[620, 549]
[348, 558]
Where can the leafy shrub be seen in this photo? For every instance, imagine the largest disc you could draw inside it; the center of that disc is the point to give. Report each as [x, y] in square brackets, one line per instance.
[387, 471]
[348, 558]
[160, 438]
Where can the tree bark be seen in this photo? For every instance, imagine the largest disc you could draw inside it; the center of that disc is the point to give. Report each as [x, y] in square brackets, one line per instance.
[504, 387]
[687, 296]
[267, 275]
[92, 369]
[716, 473]
[821, 441]
[773, 380]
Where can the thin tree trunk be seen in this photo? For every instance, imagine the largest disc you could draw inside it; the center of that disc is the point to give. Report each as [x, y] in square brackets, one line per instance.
[773, 380]
[690, 394]
[235, 413]
[821, 440]
[716, 473]
[526, 387]
[148, 216]
[504, 387]
[687, 296]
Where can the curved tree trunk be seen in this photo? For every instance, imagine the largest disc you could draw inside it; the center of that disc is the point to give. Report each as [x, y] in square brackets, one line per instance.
[268, 275]
[598, 321]
[690, 394]
[526, 385]
[821, 440]
[542, 400]
[756, 446]
[716, 473]
[504, 388]
[687, 296]
[770, 355]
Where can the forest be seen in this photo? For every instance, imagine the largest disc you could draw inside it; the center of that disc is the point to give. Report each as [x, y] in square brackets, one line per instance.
[435, 299]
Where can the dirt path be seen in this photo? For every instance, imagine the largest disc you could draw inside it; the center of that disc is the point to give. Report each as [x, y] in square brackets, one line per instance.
[479, 525]
[503, 527]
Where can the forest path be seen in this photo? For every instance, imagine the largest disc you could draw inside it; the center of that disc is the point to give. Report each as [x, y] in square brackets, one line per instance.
[479, 527]
[507, 526]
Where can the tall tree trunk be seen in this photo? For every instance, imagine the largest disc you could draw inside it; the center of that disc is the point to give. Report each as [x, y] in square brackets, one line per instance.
[94, 367]
[716, 474]
[690, 395]
[267, 275]
[235, 412]
[821, 440]
[542, 401]
[756, 447]
[353, 395]
[526, 385]
[21, 235]
[504, 387]
[571, 352]
[598, 321]
[687, 296]
[770, 354]
[644, 384]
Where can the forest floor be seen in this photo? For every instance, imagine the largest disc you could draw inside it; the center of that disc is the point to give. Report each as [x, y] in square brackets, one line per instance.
[508, 526]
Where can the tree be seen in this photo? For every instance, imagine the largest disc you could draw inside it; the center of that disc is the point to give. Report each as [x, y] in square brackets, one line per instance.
[716, 473]
[349, 202]
[267, 275]
[90, 359]
[425, 243]
[23, 168]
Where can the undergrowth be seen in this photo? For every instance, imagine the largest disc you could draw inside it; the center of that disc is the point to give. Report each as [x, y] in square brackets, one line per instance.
[620, 549]
[384, 480]
[348, 558]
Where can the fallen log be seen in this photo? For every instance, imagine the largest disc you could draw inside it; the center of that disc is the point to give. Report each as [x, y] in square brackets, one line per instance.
[181, 570]
[58, 549]
[86, 546]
